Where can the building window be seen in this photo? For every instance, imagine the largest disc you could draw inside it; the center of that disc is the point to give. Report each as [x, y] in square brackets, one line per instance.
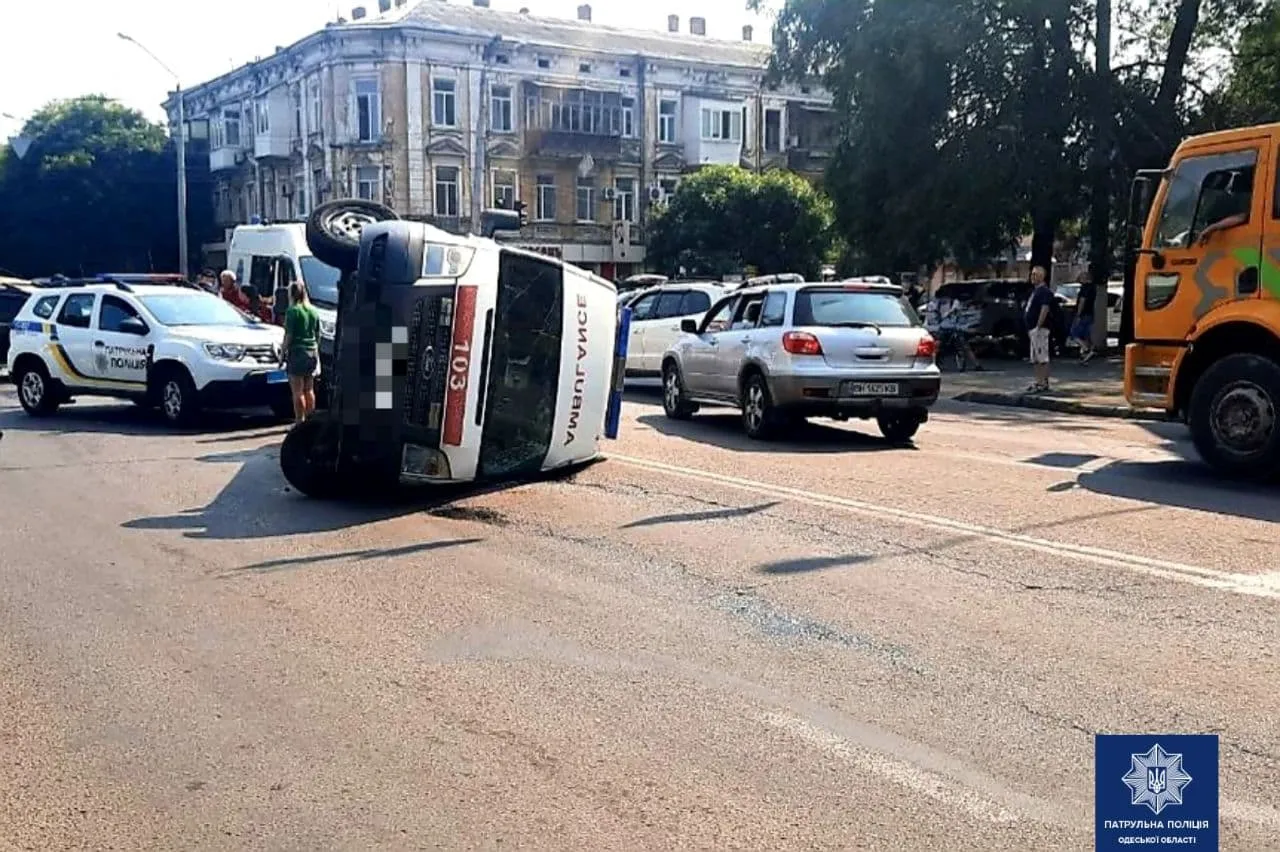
[543, 62]
[722, 125]
[584, 67]
[629, 117]
[546, 199]
[317, 115]
[299, 196]
[669, 186]
[773, 130]
[231, 128]
[667, 121]
[586, 206]
[264, 120]
[624, 200]
[295, 95]
[446, 190]
[368, 110]
[367, 181]
[444, 103]
[504, 189]
[317, 180]
[500, 119]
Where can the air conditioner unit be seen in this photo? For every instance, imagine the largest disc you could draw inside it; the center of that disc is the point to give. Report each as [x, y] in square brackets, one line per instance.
[609, 193]
[656, 194]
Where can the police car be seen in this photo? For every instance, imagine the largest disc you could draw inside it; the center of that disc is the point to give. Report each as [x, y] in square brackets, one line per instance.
[176, 348]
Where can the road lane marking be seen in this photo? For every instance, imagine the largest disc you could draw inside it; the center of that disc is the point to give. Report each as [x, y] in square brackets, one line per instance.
[919, 781]
[1267, 586]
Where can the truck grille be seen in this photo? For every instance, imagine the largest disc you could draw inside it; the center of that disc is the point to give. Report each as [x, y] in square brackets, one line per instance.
[430, 334]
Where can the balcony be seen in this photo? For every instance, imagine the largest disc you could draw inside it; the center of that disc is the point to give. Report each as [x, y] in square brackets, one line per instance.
[575, 123]
[561, 144]
[224, 158]
[272, 145]
[810, 160]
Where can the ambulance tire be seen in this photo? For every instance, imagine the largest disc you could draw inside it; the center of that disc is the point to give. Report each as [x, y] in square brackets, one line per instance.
[1234, 416]
[333, 229]
[303, 468]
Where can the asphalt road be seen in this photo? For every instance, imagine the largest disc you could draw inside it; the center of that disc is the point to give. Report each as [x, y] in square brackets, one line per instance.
[700, 643]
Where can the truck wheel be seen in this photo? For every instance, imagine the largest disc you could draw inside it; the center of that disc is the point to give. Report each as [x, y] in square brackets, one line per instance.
[304, 466]
[1233, 416]
[36, 392]
[334, 228]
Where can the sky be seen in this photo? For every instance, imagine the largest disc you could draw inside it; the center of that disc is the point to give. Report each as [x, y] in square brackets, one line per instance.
[67, 48]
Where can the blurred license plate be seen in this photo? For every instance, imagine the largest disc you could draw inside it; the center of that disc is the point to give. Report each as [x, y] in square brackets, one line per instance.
[275, 377]
[869, 389]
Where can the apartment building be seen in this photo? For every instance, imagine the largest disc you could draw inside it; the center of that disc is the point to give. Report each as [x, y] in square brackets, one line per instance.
[440, 109]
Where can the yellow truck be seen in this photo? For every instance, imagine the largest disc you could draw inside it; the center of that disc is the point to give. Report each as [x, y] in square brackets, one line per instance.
[1206, 296]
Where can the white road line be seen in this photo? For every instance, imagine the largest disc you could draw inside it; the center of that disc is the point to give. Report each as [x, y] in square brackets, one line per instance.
[920, 781]
[1246, 584]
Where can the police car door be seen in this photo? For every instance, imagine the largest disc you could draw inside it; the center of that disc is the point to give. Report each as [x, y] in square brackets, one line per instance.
[120, 342]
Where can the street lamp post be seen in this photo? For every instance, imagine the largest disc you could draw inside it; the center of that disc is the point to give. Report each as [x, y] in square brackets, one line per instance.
[182, 155]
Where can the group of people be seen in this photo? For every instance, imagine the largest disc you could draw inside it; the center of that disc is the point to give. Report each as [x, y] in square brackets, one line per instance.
[301, 352]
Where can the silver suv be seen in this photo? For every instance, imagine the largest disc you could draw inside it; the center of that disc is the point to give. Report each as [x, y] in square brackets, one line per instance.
[788, 351]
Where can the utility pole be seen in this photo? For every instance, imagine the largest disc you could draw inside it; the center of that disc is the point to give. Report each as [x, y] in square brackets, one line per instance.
[180, 142]
[480, 157]
[1100, 195]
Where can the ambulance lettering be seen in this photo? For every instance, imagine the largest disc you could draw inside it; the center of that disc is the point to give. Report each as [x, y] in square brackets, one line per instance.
[579, 375]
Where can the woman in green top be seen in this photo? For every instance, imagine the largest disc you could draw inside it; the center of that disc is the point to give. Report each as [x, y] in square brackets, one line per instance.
[302, 350]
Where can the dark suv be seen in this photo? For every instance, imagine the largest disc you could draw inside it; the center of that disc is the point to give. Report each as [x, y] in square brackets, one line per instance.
[12, 297]
[990, 312]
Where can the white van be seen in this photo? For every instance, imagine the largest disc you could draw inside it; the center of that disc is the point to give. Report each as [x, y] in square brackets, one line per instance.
[269, 257]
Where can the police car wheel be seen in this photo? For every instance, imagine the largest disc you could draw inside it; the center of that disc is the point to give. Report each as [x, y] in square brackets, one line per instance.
[334, 228]
[177, 397]
[35, 390]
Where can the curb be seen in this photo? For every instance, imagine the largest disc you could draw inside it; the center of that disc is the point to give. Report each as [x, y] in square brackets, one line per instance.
[1062, 406]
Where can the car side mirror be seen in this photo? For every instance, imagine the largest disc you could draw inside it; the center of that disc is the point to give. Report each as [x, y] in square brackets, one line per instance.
[133, 325]
[689, 326]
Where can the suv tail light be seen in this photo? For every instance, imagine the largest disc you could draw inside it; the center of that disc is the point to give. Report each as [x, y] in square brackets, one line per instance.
[927, 347]
[801, 343]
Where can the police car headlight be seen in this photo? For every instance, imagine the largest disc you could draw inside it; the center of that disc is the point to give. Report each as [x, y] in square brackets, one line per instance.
[327, 329]
[445, 261]
[224, 351]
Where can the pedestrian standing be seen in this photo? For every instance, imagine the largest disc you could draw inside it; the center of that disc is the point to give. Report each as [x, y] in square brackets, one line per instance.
[302, 350]
[1037, 320]
[1082, 328]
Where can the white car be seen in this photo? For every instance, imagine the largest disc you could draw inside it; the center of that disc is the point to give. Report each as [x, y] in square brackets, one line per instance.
[176, 348]
[656, 316]
[1115, 298]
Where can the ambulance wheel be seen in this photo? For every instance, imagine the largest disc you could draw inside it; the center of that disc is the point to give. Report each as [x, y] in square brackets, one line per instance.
[334, 228]
[305, 467]
[36, 392]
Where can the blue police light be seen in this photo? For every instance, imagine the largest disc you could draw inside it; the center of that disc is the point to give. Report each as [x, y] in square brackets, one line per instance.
[613, 415]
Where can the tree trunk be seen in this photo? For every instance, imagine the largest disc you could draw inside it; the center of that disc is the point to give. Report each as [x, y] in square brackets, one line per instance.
[1175, 63]
[1042, 239]
[1100, 213]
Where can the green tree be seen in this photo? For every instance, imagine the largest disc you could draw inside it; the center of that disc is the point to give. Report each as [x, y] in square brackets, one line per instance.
[723, 219]
[1252, 93]
[95, 191]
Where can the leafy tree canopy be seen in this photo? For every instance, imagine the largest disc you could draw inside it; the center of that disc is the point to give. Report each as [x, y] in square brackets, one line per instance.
[94, 192]
[723, 219]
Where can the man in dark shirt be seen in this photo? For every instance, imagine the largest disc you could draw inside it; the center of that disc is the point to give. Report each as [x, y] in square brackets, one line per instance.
[1082, 328]
[1037, 319]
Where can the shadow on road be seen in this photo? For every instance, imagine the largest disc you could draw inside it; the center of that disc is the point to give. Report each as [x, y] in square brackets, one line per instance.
[814, 563]
[1184, 485]
[273, 565]
[722, 428]
[698, 517]
[129, 419]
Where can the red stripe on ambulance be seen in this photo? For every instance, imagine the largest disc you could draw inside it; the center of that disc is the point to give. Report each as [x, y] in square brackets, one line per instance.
[455, 394]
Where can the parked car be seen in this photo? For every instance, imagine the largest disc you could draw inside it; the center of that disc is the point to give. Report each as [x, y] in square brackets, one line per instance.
[13, 295]
[785, 352]
[989, 312]
[656, 316]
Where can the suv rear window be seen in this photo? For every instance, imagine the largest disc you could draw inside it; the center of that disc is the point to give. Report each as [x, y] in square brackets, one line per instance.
[837, 307]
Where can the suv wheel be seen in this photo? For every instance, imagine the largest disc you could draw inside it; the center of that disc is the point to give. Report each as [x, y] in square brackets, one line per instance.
[179, 400]
[898, 429]
[674, 401]
[760, 420]
[35, 390]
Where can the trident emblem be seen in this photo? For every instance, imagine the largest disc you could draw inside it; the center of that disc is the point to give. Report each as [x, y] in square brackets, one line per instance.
[1157, 779]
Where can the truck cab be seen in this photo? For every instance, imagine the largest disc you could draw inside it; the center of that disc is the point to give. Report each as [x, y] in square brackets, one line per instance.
[1206, 297]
